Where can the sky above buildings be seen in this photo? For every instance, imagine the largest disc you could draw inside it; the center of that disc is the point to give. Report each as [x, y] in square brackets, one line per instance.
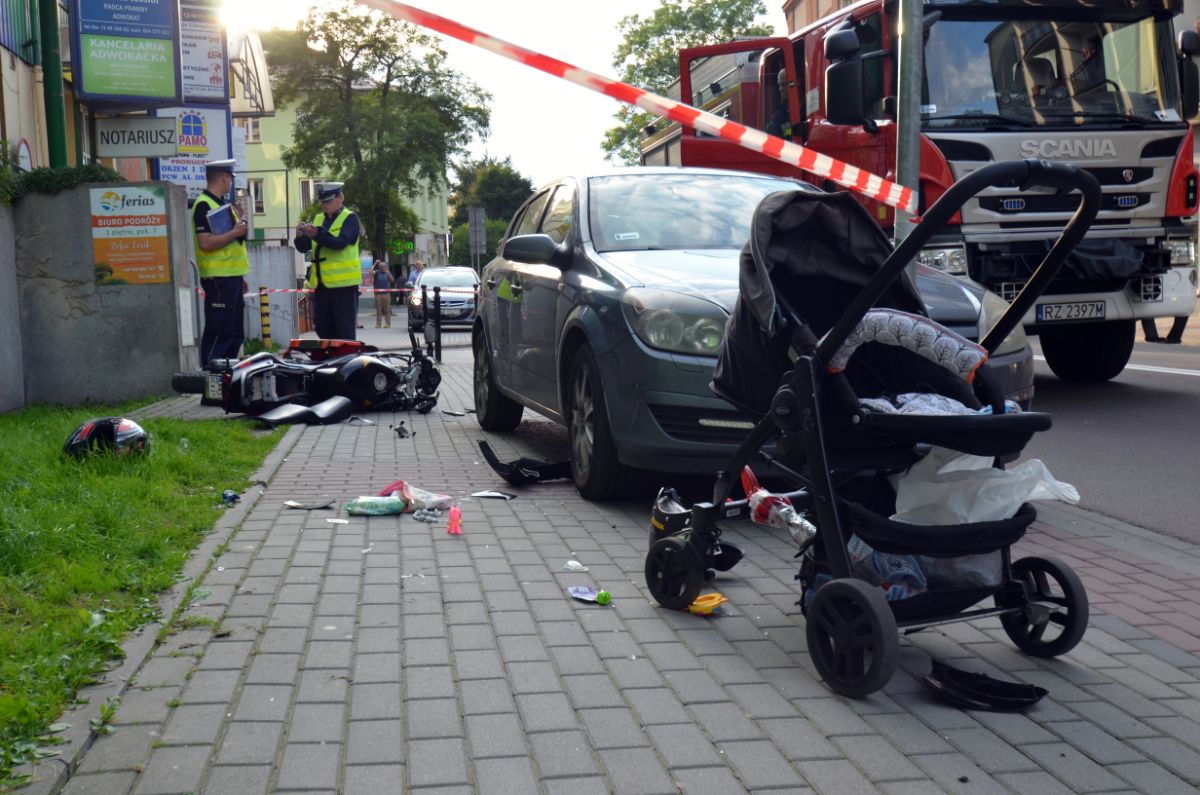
[547, 126]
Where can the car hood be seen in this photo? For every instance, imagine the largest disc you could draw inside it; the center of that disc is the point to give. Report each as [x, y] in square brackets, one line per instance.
[712, 274]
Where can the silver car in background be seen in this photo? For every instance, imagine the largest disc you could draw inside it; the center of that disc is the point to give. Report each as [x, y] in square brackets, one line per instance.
[606, 308]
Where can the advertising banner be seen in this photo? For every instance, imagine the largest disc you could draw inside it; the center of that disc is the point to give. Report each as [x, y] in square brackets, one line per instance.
[204, 57]
[203, 134]
[126, 51]
[129, 236]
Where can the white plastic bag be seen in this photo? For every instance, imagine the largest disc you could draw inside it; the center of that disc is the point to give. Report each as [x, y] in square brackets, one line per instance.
[949, 487]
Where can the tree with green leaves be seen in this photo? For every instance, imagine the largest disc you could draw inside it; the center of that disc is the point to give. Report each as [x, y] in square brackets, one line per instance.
[648, 56]
[489, 183]
[460, 247]
[376, 107]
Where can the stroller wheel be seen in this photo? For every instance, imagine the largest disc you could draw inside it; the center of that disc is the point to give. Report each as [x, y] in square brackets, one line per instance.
[1056, 615]
[673, 575]
[852, 637]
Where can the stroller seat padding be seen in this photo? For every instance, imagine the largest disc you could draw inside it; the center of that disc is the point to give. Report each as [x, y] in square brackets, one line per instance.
[976, 434]
[936, 541]
[918, 334]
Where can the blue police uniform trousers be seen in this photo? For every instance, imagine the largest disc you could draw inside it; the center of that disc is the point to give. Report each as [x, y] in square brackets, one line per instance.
[224, 318]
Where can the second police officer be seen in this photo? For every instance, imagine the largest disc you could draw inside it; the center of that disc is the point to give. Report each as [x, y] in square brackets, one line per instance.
[335, 273]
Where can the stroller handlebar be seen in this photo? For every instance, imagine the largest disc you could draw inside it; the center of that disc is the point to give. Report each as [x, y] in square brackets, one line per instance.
[1023, 174]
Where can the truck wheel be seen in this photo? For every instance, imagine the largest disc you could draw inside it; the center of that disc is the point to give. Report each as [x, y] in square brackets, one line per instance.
[1088, 352]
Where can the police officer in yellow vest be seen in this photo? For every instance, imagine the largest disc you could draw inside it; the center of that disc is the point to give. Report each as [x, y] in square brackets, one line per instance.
[219, 244]
[335, 273]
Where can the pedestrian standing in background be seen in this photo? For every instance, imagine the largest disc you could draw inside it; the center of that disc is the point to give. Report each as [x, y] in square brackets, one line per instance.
[383, 280]
[221, 258]
[335, 272]
[413, 272]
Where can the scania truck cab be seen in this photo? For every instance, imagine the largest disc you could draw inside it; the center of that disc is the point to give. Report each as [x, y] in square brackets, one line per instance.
[1103, 84]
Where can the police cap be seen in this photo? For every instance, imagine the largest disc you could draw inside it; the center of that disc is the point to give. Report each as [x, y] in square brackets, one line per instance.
[328, 190]
[219, 167]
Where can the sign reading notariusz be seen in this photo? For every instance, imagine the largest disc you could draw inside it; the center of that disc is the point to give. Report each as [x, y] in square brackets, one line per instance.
[127, 50]
[137, 137]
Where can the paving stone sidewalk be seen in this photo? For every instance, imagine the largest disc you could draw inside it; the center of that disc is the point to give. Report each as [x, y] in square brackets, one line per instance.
[382, 655]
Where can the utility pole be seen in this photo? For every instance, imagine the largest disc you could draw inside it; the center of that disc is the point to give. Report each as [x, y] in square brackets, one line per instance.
[52, 83]
[908, 107]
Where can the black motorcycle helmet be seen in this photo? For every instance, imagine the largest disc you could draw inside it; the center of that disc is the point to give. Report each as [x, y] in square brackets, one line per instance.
[118, 435]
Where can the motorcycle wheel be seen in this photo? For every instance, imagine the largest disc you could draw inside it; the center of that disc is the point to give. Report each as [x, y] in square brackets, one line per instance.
[188, 383]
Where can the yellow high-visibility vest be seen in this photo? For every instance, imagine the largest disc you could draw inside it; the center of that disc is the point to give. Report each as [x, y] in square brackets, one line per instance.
[336, 268]
[228, 260]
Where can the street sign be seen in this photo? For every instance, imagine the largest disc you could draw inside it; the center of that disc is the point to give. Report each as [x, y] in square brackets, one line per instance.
[477, 230]
[144, 136]
[126, 51]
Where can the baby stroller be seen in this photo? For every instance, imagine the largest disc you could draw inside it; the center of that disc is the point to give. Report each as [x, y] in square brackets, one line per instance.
[827, 317]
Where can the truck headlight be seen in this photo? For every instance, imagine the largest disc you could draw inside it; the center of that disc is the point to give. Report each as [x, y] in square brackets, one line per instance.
[952, 260]
[993, 306]
[1181, 249]
[674, 322]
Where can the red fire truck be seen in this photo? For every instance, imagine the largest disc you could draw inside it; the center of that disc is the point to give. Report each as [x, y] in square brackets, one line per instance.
[1100, 83]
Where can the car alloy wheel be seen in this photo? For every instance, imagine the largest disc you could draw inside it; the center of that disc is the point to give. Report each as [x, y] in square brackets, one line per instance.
[583, 422]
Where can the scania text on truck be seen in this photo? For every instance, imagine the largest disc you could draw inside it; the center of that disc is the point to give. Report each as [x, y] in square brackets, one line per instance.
[1100, 83]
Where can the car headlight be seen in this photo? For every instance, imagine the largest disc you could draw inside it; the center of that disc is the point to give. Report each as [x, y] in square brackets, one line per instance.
[952, 260]
[1182, 250]
[993, 306]
[674, 322]
[415, 298]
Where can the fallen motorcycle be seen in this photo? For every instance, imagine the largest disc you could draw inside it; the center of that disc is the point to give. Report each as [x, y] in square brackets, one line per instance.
[334, 378]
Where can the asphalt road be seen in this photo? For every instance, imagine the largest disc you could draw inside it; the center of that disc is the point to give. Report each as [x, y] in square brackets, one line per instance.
[1132, 445]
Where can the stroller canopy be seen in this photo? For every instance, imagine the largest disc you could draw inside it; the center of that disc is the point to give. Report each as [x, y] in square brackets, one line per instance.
[808, 255]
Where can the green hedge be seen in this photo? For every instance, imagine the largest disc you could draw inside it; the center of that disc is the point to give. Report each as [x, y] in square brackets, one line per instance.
[14, 185]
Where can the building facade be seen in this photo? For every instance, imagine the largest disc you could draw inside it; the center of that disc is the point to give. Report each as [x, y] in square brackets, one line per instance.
[279, 195]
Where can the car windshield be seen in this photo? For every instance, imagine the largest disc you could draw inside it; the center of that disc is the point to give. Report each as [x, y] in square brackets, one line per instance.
[446, 278]
[631, 212]
[1041, 72]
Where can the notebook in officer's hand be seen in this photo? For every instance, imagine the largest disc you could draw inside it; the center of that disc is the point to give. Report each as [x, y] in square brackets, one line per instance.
[221, 220]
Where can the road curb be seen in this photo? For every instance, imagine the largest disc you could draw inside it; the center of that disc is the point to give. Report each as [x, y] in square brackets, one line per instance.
[51, 775]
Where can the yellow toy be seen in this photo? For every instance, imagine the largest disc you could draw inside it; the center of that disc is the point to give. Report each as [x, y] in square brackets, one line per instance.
[706, 603]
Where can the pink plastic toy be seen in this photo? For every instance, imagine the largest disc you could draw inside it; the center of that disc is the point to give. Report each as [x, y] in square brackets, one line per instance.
[455, 526]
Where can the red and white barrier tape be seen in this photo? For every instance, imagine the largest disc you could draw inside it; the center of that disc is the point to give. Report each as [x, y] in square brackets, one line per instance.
[362, 291]
[852, 177]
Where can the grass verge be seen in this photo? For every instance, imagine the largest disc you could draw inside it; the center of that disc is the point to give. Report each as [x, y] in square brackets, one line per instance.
[86, 547]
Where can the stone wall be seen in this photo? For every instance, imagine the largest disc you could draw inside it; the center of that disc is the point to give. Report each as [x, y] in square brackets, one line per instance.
[12, 378]
[86, 342]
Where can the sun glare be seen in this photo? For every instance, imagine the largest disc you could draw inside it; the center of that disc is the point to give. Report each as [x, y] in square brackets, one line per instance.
[240, 16]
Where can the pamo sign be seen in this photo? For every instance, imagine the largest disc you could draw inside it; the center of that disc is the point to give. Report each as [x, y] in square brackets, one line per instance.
[137, 137]
[1070, 149]
[203, 134]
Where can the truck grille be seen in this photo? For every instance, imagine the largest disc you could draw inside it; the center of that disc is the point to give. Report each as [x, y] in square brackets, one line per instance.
[1010, 205]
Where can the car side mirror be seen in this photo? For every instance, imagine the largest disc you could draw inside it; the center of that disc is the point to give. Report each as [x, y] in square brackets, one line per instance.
[531, 249]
